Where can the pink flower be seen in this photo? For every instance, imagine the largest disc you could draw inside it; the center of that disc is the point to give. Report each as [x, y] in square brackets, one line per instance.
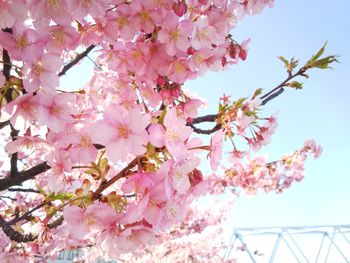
[41, 70]
[216, 149]
[173, 136]
[24, 143]
[82, 149]
[59, 162]
[22, 111]
[175, 35]
[179, 174]
[243, 120]
[74, 216]
[18, 43]
[120, 23]
[55, 10]
[313, 147]
[204, 35]
[95, 219]
[200, 61]
[62, 37]
[56, 111]
[12, 11]
[122, 132]
[190, 108]
[133, 237]
[179, 71]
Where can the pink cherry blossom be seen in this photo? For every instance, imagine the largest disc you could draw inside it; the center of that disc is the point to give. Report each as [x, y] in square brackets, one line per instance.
[175, 35]
[22, 111]
[56, 111]
[10, 12]
[122, 132]
[41, 70]
[216, 149]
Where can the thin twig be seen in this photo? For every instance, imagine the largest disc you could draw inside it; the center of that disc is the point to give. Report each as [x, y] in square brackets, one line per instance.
[76, 60]
[104, 185]
[23, 190]
[25, 215]
[201, 131]
[14, 156]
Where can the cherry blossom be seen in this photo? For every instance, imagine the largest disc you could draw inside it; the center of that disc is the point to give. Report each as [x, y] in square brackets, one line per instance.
[122, 132]
[115, 166]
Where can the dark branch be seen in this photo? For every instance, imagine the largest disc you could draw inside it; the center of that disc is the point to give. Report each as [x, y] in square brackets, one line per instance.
[23, 176]
[272, 96]
[13, 234]
[56, 223]
[25, 215]
[14, 156]
[76, 60]
[23, 190]
[300, 72]
[4, 124]
[7, 67]
[201, 131]
[104, 185]
[206, 118]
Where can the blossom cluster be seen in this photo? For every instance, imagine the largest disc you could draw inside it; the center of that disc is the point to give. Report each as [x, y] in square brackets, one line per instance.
[120, 156]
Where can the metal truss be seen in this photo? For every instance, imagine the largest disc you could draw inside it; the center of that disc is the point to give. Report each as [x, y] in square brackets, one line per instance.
[290, 244]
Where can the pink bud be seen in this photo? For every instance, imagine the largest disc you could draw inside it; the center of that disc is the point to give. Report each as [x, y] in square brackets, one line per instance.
[160, 81]
[180, 8]
[242, 54]
[191, 51]
[232, 50]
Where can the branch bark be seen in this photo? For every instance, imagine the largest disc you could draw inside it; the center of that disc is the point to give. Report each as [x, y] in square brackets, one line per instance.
[14, 234]
[23, 176]
[104, 185]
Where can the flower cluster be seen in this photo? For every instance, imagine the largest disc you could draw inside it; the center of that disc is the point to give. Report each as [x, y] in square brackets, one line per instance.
[116, 163]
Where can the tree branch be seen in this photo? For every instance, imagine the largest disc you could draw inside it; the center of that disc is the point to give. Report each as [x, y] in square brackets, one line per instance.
[104, 185]
[76, 60]
[300, 72]
[206, 118]
[14, 156]
[23, 176]
[25, 215]
[272, 96]
[201, 131]
[4, 124]
[23, 190]
[14, 234]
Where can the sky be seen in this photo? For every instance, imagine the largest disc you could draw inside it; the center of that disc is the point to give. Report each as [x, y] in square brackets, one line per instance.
[319, 111]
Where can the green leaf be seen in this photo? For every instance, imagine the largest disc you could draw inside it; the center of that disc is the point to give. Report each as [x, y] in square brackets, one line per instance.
[319, 53]
[162, 116]
[257, 93]
[295, 84]
[239, 102]
[285, 61]
[289, 65]
[60, 196]
[323, 63]
[293, 64]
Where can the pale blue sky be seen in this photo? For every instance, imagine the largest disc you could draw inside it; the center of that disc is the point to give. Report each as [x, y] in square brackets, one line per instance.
[319, 111]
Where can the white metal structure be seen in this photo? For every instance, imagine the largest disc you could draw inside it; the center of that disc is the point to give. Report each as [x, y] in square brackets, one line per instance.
[291, 244]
